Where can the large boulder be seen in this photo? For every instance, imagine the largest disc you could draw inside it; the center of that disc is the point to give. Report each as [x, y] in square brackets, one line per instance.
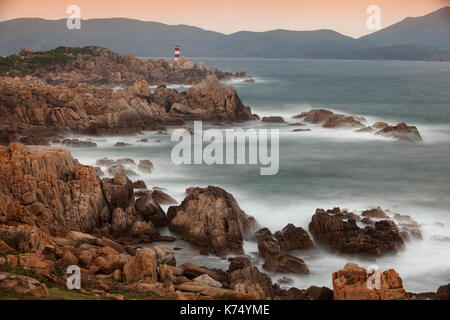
[46, 187]
[151, 211]
[339, 232]
[217, 101]
[210, 217]
[276, 260]
[141, 267]
[251, 281]
[293, 238]
[23, 284]
[351, 284]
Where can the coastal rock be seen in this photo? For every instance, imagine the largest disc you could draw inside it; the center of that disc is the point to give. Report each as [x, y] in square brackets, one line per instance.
[443, 292]
[46, 187]
[341, 233]
[401, 131]
[151, 211]
[237, 263]
[276, 260]
[97, 65]
[377, 213]
[78, 143]
[164, 256]
[162, 198]
[145, 166]
[250, 281]
[142, 267]
[217, 101]
[139, 185]
[293, 238]
[211, 218]
[23, 284]
[329, 119]
[273, 119]
[351, 284]
[41, 110]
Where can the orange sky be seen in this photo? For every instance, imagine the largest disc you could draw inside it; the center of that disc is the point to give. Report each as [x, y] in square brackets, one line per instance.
[227, 16]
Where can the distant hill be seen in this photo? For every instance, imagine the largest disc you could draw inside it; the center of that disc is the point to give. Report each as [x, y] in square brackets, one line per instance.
[431, 30]
[424, 38]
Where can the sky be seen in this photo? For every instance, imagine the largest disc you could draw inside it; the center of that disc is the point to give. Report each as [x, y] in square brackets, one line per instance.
[227, 16]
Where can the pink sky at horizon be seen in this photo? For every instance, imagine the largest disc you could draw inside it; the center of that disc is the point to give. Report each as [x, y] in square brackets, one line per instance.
[345, 16]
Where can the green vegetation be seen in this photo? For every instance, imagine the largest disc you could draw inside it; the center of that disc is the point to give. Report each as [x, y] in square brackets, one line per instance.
[30, 62]
[9, 294]
[25, 272]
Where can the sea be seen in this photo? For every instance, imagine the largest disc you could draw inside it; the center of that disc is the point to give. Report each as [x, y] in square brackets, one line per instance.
[325, 168]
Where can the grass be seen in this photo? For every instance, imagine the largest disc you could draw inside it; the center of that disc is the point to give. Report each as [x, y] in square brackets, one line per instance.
[25, 272]
[43, 60]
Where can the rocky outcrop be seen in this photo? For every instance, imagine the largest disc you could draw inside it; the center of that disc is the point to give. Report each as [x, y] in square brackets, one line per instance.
[142, 267]
[351, 284]
[339, 231]
[45, 186]
[330, 119]
[276, 260]
[293, 238]
[401, 131]
[151, 211]
[250, 281]
[97, 65]
[273, 119]
[23, 284]
[30, 108]
[211, 218]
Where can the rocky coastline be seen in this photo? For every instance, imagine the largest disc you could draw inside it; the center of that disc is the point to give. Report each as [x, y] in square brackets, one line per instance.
[56, 212]
[100, 66]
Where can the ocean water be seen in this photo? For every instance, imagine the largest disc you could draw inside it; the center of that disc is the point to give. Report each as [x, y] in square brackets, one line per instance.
[326, 168]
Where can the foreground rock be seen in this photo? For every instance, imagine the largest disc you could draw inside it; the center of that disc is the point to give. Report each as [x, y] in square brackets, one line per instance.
[339, 231]
[211, 218]
[22, 284]
[276, 260]
[351, 284]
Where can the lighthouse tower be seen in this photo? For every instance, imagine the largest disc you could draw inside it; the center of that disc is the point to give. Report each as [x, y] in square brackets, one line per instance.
[176, 53]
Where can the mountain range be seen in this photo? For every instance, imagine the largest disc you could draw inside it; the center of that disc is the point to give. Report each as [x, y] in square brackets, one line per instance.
[421, 38]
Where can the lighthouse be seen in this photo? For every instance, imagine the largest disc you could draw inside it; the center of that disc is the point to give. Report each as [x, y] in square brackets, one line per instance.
[176, 53]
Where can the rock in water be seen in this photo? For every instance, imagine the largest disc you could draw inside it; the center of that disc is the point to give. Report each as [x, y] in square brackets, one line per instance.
[339, 232]
[401, 131]
[276, 260]
[211, 218]
[293, 238]
[351, 284]
[329, 119]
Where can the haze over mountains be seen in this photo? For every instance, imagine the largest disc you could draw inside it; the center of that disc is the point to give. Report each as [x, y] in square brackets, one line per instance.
[421, 38]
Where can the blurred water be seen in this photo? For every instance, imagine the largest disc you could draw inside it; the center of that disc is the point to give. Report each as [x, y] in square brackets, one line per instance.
[325, 167]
